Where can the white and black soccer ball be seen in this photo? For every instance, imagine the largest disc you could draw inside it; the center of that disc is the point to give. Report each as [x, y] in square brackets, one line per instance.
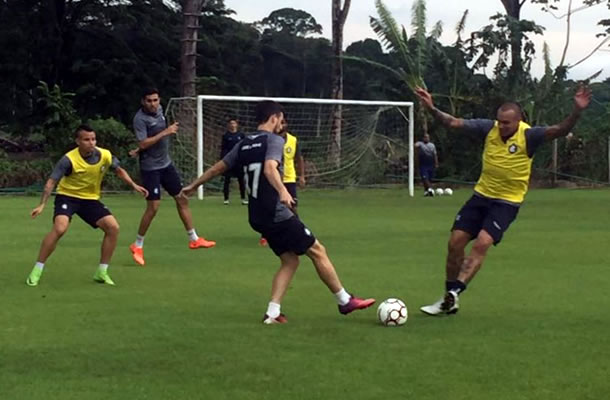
[448, 192]
[392, 312]
[440, 192]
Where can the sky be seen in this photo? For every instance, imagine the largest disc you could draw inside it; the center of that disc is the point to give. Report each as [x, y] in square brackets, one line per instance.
[582, 40]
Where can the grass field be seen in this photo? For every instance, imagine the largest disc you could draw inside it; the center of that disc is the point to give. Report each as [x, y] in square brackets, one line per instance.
[534, 324]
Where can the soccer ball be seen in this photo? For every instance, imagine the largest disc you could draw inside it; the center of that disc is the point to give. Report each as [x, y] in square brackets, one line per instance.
[440, 192]
[448, 192]
[392, 312]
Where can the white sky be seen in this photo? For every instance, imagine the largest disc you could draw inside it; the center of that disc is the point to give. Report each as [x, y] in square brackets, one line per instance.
[582, 41]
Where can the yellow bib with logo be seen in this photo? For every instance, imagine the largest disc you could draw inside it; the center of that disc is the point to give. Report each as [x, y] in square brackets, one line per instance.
[290, 148]
[506, 166]
[85, 181]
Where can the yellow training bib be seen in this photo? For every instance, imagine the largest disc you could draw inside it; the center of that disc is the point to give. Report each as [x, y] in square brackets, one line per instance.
[290, 148]
[85, 181]
[506, 166]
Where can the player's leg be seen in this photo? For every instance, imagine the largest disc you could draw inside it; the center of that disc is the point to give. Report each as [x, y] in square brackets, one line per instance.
[225, 187]
[97, 215]
[110, 227]
[242, 189]
[279, 286]
[152, 182]
[170, 180]
[48, 245]
[327, 273]
[467, 225]
[425, 179]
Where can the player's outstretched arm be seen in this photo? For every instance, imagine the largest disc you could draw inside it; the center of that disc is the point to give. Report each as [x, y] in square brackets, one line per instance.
[275, 179]
[446, 119]
[121, 173]
[582, 98]
[48, 189]
[217, 169]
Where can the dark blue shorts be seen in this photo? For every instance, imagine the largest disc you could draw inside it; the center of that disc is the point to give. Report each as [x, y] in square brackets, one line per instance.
[166, 178]
[89, 211]
[287, 236]
[480, 213]
[426, 172]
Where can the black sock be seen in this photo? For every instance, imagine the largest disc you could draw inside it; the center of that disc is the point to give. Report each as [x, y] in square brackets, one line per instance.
[455, 286]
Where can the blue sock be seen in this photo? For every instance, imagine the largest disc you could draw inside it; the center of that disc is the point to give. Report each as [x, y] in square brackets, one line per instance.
[455, 286]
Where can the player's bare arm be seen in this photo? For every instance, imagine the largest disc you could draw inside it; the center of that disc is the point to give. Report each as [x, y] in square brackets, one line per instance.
[582, 98]
[170, 130]
[446, 119]
[301, 171]
[121, 173]
[217, 169]
[46, 193]
[274, 178]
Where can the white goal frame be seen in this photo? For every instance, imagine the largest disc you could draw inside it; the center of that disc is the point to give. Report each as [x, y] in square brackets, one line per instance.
[202, 98]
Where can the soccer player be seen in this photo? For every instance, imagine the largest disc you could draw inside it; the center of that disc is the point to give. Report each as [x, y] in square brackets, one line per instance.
[230, 138]
[80, 173]
[292, 152]
[428, 162]
[269, 211]
[509, 148]
[157, 170]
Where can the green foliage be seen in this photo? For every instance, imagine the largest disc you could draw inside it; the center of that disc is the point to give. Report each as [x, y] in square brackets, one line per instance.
[58, 119]
[291, 22]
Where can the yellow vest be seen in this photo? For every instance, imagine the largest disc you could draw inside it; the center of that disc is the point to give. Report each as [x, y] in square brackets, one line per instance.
[85, 181]
[290, 148]
[506, 166]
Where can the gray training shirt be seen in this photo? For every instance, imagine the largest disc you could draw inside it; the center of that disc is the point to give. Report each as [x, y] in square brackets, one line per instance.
[64, 165]
[147, 125]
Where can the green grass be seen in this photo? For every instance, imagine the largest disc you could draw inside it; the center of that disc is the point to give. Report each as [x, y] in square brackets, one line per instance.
[533, 325]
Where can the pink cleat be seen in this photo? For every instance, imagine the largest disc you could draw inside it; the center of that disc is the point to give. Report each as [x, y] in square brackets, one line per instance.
[281, 319]
[356, 303]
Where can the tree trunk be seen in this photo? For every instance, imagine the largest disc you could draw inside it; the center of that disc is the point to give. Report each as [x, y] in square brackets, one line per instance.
[515, 73]
[188, 51]
[339, 15]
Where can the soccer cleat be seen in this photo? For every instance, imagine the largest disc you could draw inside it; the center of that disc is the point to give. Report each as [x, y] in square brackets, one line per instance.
[244, 202]
[201, 242]
[102, 277]
[137, 253]
[281, 319]
[34, 277]
[448, 304]
[263, 242]
[226, 202]
[355, 303]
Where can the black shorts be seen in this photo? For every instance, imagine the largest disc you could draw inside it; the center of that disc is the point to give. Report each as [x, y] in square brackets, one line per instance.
[480, 213]
[290, 235]
[89, 211]
[292, 189]
[167, 178]
[426, 172]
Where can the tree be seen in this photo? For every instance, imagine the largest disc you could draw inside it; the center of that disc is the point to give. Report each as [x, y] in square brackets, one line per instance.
[339, 16]
[188, 51]
[291, 22]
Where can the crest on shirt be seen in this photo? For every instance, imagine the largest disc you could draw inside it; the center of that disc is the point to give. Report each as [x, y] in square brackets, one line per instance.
[288, 150]
[103, 168]
[512, 149]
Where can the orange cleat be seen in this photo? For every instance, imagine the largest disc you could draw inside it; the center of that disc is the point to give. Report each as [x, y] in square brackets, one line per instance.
[201, 243]
[281, 319]
[137, 253]
[263, 242]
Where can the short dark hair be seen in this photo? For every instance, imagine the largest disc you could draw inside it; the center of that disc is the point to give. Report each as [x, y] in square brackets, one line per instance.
[148, 91]
[81, 128]
[267, 108]
[229, 119]
[512, 106]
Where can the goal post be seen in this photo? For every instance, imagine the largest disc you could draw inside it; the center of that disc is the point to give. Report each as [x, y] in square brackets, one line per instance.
[375, 144]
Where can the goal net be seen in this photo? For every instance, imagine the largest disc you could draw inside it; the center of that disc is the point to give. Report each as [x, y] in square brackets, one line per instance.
[370, 145]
